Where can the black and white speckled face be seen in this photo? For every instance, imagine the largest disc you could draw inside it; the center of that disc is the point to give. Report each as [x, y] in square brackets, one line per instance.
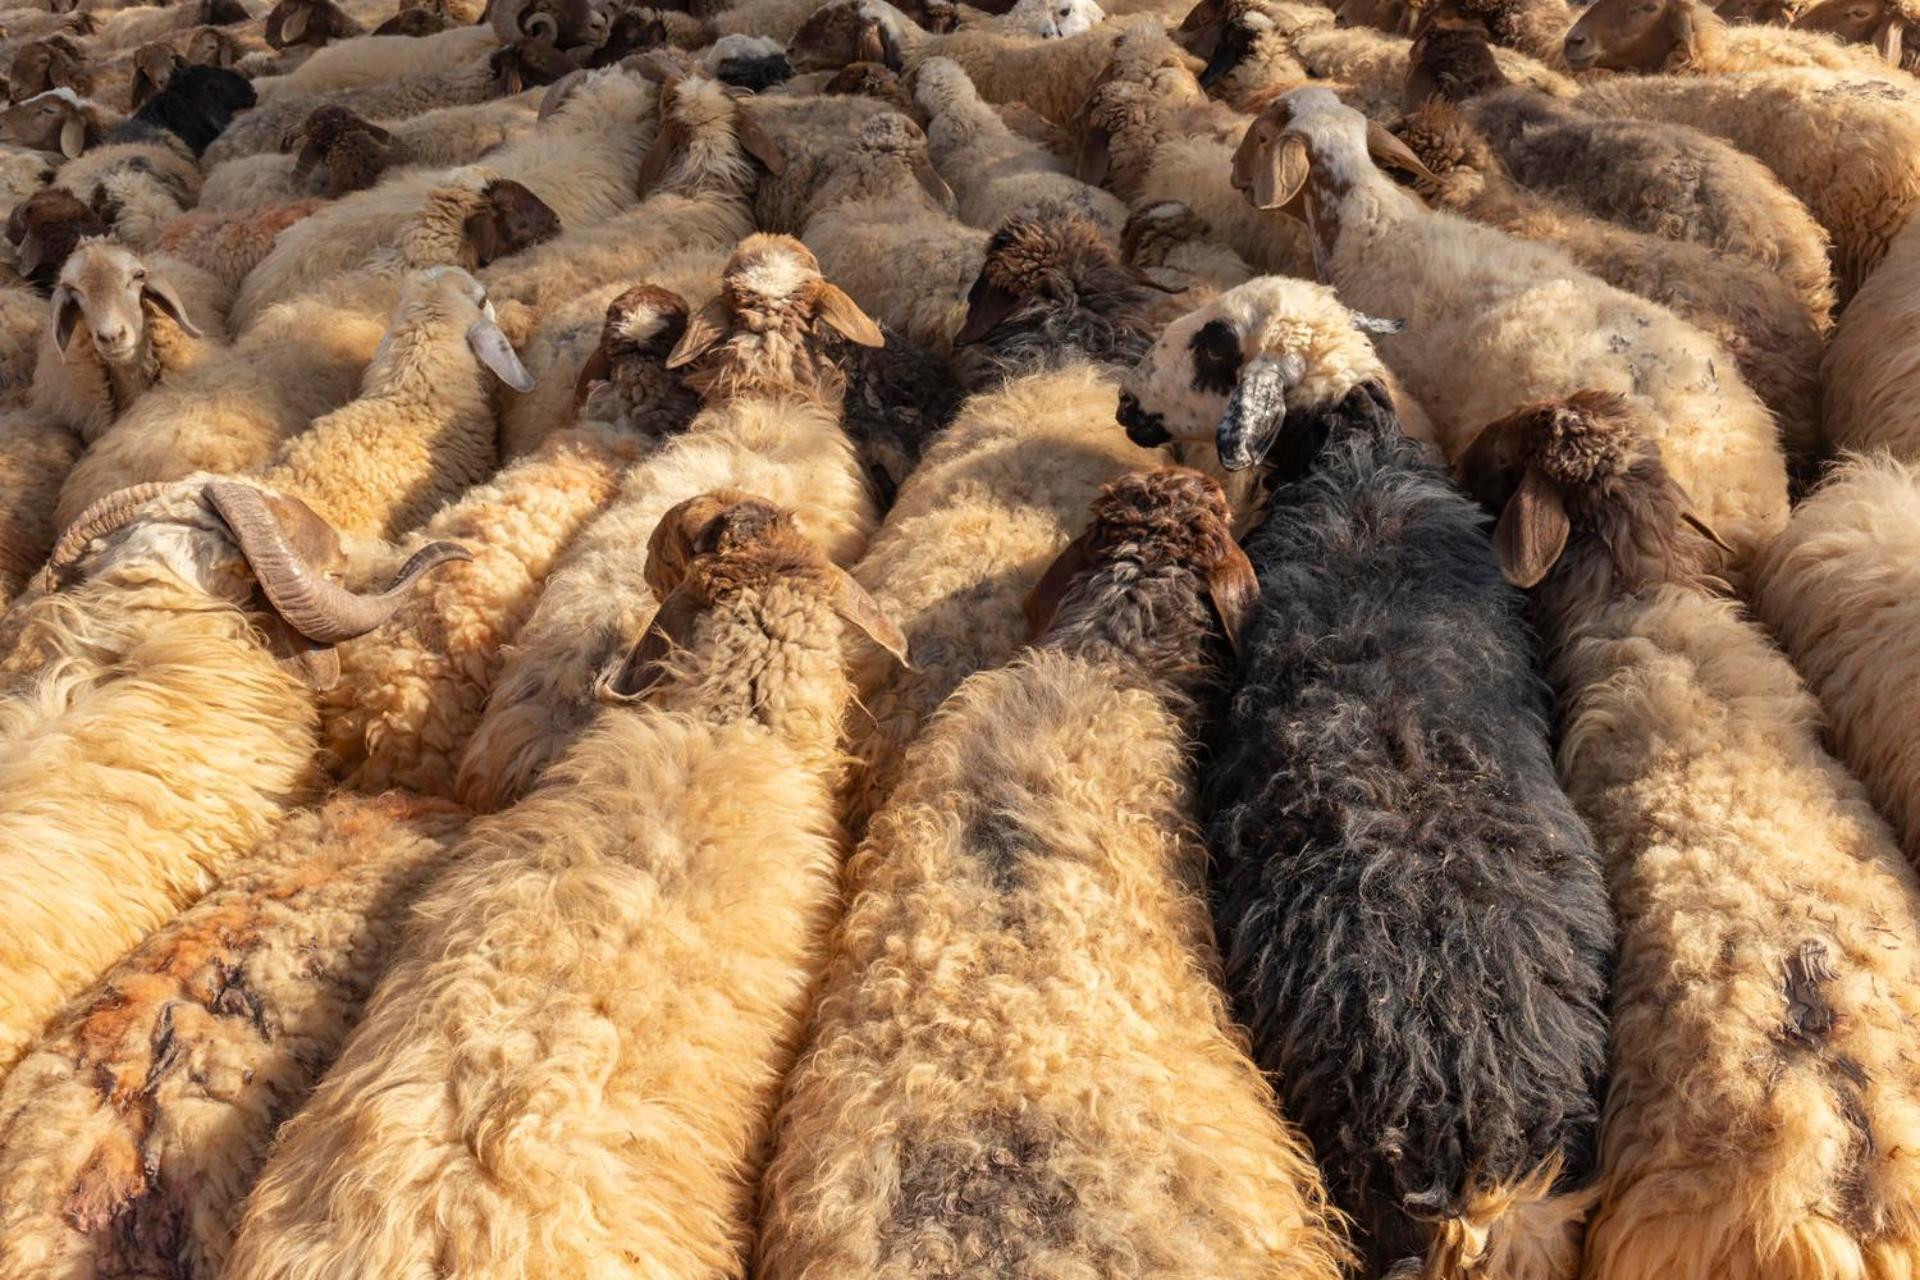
[1181, 386]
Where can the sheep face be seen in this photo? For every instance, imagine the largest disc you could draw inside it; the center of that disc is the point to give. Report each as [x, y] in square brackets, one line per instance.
[415, 23]
[1055, 19]
[354, 151]
[1052, 287]
[1451, 62]
[110, 289]
[44, 229]
[1632, 35]
[1233, 40]
[153, 67]
[632, 31]
[313, 23]
[841, 33]
[1223, 375]
[1875, 22]
[626, 374]
[57, 120]
[450, 298]
[52, 63]
[211, 47]
[511, 218]
[564, 24]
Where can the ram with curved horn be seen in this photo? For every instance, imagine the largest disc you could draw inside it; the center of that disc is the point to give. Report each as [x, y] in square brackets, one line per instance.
[159, 669]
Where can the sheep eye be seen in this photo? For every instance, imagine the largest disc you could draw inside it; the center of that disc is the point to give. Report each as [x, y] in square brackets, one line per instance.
[1216, 358]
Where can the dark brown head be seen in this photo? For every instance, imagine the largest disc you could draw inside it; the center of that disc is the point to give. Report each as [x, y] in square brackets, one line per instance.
[564, 24]
[633, 31]
[528, 63]
[1877, 22]
[1452, 61]
[416, 22]
[512, 219]
[54, 62]
[626, 379]
[873, 80]
[1155, 575]
[153, 66]
[309, 23]
[354, 151]
[840, 33]
[1460, 161]
[44, 228]
[1641, 35]
[1587, 510]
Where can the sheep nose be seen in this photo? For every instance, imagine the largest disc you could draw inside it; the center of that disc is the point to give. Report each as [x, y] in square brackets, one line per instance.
[1148, 430]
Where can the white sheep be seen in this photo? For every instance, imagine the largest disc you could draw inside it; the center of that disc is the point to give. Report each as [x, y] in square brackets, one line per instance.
[368, 61]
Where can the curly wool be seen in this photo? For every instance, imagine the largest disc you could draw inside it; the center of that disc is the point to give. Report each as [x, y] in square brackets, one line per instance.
[1872, 364]
[1414, 921]
[130, 1135]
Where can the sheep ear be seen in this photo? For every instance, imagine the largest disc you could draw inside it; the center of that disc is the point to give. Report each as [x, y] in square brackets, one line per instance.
[1276, 174]
[483, 235]
[73, 137]
[1686, 37]
[491, 348]
[1234, 589]
[832, 305]
[1096, 157]
[858, 609]
[1705, 530]
[1044, 599]
[760, 145]
[1532, 531]
[28, 258]
[705, 327]
[161, 293]
[598, 368]
[66, 314]
[296, 24]
[672, 624]
[936, 186]
[1389, 150]
[871, 45]
[303, 164]
[667, 143]
[1888, 39]
[1375, 325]
[987, 305]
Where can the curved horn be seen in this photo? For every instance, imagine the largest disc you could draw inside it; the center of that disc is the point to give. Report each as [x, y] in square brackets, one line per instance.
[543, 26]
[306, 600]
[97, 521]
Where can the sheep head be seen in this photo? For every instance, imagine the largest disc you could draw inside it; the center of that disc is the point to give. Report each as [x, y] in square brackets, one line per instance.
[448, 299]
[871, 80]
[632, 31]
[725, 548]
[212, 47]
[625, 380]
[354, 151]
[1229, 374]
[1877, 22]
[1462, 162]
[1641, 35]
[527, 63]
[54, 62]
[57, 120]
[510, 218]
[44, 228]
[564, 24]
[848, 31]
[753, 63]
[1585, 505]
[1309, 127]
[1452, 61]
[260, 550]
[153, 67]
[1381, 15]
[313, 23]
[1153, 230]
[112, 290]
[1054, 19]
[416, 22]
[703, 110]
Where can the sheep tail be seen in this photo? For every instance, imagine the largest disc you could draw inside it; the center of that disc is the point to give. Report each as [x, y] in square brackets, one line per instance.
[1520, 1230]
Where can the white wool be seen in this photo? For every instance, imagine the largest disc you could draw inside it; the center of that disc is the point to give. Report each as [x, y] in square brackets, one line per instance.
[775, 275]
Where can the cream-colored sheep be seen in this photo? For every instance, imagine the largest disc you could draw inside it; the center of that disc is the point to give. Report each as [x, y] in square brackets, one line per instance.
[1763, 1119]
[1870, 379]
[572, 1067]
[36, 452]
[770, 424]
[218, 1025]
[368, 61]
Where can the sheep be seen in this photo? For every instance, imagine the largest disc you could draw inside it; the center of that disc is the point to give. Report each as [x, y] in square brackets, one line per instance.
[1685, 37]
[411, 692]
[1870, 367]
[423, 428]
[57, 120]
[1660, 178]
[22, 172]
[754, 63]
[1761, 1120]
[1879, 23]
[130, 1133]
[994, 174]
[147, 691]
[367, 61]
[52, 62]
[1167, 239]
[670, 889]
[196, 106]
[225, 245]
[309, 23]
[1452, 884]
[1520, 316]
[769, 421]
[120, 324]
[999, 493]
[160, 177]
[43, 230]
[23, 319]
[582, 164]
[130, 28]
[810, 133]
[1050, 75]
[1789, 121]
[1063, 926]
[1835, 589]
[879, 223]
[1536, 28]
[36, 451]
[1750, 311]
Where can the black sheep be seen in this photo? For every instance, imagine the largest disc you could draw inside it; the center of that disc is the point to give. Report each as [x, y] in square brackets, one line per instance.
[1415, 922]
[195, 107]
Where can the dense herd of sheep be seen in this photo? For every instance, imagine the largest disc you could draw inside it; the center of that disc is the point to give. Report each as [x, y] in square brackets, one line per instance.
[820, 640]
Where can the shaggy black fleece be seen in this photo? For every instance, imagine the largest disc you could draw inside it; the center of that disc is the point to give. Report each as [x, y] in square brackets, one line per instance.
[196, 106]
[1416, 928]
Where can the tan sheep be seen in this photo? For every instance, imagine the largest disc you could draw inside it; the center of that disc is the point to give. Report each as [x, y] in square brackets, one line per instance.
[1686, 37]
[36, 452]
[1871, 375]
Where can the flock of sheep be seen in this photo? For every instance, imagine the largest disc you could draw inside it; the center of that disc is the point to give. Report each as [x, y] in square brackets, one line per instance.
[821, 641]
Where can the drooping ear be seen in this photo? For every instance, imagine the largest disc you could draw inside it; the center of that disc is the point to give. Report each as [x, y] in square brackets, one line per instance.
[1375, 325]
[491, 348]
[1276, 173]
[1487, 469]
[987, 305]
[1234, 589]
[832, 305]
[668, 141]
[1095, 160]
[759, 144]
[705, 327]
[1887, 41]
[1685, 35]
[66, 314]
[73, 137]
[160, 292]
[670, 629]
[482, 228]
[858, 609]
[870, 45]
[1045, 598]
[28, 258]
[598, 368]
[1532, 531]
[296, 24]
[1389, 150]
[936, 186]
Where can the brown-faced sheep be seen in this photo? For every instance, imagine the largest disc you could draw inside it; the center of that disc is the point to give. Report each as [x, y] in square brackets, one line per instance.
[1061, 927]
[43, 230]
[1880, 23]
[770, 421]
[1763, 1119]
[148, 736]
[130, 1134]
[58, 120]
[1686, 37]
[574, 1062]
